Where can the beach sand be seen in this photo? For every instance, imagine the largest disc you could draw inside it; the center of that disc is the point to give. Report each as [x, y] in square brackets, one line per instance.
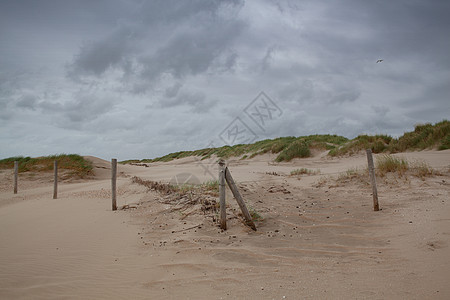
[319, 237]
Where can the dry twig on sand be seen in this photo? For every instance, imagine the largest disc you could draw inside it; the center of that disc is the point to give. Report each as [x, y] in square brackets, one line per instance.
[184, 197]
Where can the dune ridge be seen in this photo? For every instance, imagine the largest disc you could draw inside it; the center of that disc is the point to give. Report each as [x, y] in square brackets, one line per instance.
[318, 236]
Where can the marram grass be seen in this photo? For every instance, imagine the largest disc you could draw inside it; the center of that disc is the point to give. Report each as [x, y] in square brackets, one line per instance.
[75, 163]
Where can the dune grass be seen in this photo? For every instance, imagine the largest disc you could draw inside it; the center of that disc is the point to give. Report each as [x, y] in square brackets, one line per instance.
[287, 148]
[390, 164]
[358, 174]
[424, 136]
[378, 144]
[422, 170]
[78, 166]
[387, 167]
[297, 149]
[211, 185]
[401, 166]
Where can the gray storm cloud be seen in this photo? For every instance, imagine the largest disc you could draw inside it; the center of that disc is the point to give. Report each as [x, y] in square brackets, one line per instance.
[160, 76]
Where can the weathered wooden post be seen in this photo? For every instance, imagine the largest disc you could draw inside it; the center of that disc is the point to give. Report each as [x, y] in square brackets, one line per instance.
[113, 182]
[239, 200]
[16, 175]
[372, 179]
[55, 180]
[223, 212]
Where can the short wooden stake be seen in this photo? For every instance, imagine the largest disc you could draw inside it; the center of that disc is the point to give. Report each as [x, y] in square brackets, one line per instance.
[223, 212]
[113, 182]
[372, 179]
[240, 201]
[16, 175]
[55, 180]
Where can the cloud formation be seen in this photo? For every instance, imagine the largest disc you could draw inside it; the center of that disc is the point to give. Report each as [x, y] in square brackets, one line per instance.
[138, 79]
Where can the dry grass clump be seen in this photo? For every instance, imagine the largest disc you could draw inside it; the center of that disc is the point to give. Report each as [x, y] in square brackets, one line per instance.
[188, 199]
[422, 169]
[186, 196]
[210, 187]
[359, 176]
[387, 166]
[154, 185]
[304, 171]
[354, 174]
[390, 164]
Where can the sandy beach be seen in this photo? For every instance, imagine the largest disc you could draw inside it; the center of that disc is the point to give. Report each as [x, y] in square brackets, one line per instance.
[318, 236]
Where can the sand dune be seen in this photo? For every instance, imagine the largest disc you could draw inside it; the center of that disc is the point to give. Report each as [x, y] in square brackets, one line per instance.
[319, 237]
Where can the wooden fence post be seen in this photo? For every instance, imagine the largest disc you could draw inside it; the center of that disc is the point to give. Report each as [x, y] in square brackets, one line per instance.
[372, 179]
[240, 201]
[113, 182]
[16, 175]
[223, 212]
[55, 180]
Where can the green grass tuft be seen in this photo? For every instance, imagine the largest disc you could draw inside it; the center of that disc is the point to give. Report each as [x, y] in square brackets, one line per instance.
[254, 214]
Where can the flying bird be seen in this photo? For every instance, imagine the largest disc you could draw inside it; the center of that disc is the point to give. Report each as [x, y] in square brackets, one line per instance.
[380, 60]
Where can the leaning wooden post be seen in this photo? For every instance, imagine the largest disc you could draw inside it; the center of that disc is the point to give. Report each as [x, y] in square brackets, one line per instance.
[240, 201]
[372, 179]
[113, 182]
[16, 175]
[223, 212]
[55, 180]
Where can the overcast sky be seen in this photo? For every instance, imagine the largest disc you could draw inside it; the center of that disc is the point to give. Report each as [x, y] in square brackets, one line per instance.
[140, 79]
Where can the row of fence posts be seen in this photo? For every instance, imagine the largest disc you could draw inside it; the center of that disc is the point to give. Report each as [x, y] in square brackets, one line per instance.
[55, 178]
[224, 176]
